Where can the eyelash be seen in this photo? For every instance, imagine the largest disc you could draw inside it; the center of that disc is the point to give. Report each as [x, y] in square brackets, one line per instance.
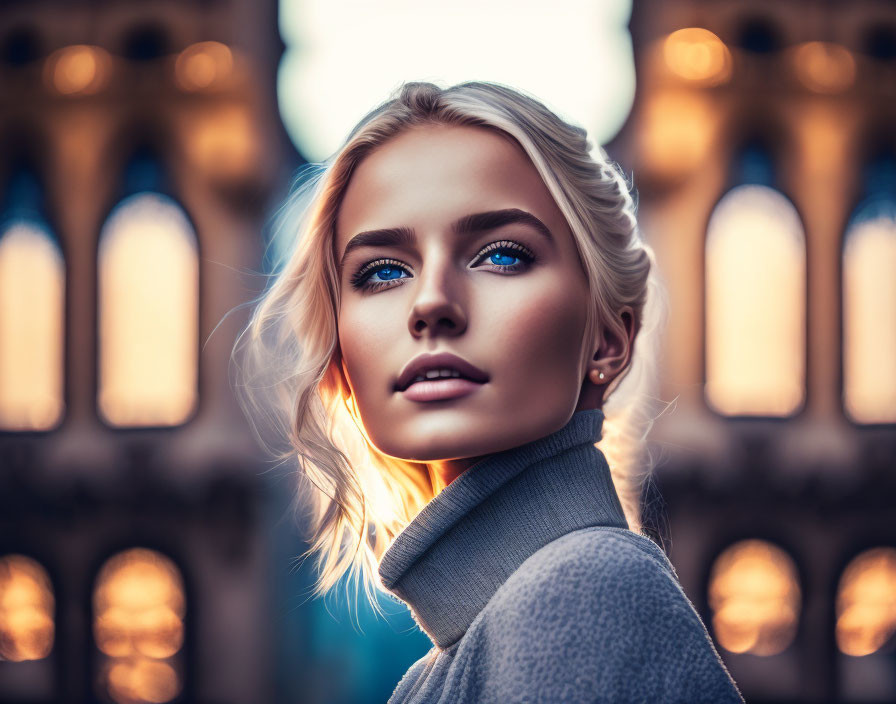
[524, 254]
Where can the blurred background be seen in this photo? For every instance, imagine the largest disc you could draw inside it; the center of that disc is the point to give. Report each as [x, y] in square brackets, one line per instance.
[148, 551]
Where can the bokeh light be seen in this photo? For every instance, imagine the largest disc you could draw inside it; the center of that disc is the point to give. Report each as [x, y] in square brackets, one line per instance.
[866, 602]
[32, 303]
[679, 129]
[80, 69]
[203, 65]
[697, 55]
[26, 610]
[222, 142]
[755, 598]
[141, 680]
[139, 606]
[823, 67]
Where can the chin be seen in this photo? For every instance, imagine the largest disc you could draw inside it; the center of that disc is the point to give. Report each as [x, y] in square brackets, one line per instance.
[446, 434]
[427, 449]
[432, 440]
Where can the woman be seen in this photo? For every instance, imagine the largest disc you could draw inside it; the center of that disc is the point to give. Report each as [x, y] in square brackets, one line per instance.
[464, 294]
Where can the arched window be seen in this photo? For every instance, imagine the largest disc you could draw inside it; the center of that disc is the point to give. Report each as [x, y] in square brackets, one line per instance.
[148, 313]
[869, 303]
[27, 627]
[139, 606]
[754, 594]
[755, 304]
[32, 300]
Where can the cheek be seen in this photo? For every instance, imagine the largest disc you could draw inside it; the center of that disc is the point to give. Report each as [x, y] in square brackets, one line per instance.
[351, 341]
[365, 334]
[542, 335]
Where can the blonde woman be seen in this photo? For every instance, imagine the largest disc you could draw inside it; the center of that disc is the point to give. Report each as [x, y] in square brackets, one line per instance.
[450, 353]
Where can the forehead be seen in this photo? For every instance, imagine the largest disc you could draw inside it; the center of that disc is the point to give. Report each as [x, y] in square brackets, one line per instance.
[429, 176]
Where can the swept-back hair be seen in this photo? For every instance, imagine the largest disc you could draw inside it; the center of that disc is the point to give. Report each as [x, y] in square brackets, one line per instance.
[289, 372]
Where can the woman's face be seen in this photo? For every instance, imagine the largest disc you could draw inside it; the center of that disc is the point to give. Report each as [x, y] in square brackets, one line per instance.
[450, 242]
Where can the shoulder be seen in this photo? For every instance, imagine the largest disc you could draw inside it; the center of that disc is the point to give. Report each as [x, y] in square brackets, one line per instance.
[594, 564]
[611, 588]
[603, 608]
[414, 674]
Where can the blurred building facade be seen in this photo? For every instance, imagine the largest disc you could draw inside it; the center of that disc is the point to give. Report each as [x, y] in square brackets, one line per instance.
[141, 152]
[763, 149]
[141, 146]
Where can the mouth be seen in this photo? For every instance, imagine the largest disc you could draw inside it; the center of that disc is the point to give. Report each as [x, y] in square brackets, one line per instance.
[440, 371]
[442, 389]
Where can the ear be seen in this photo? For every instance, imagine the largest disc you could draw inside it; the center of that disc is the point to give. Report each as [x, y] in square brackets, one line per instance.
[614, 347]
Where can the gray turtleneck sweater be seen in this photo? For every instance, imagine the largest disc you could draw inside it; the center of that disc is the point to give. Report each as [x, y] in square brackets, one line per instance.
[525, 576]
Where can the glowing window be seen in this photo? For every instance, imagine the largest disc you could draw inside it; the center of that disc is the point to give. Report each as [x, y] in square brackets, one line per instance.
[26, 610]
[755, 304]
[869, 318]
[148, 313]
[755, 597]
[139, 608]
[866, 602]
[32, 297]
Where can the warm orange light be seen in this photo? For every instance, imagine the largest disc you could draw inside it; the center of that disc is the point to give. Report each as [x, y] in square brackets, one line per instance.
[139, 605]
[78, 69]
[223, 142]
[137, 581]
[869, 321]
[203, 65]
[698, 55]
[148, 288]
[32, 299]
[823, 139]
[26, 610]
[678, 132]
[866, 602]
[824, 67]
[755, 597]
[755, 304]
[140, 680]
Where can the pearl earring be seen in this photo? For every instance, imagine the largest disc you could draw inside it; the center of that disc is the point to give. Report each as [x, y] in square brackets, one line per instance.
[600, 375]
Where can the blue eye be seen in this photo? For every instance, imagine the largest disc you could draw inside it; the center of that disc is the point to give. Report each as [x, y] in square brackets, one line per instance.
[387, 273]
[503, 259]
[377, 274]
[507, 256]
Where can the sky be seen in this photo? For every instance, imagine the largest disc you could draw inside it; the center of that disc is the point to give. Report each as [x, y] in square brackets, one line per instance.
[344, 57]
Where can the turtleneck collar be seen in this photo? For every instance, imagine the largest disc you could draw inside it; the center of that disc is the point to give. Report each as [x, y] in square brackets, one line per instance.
[463, 545]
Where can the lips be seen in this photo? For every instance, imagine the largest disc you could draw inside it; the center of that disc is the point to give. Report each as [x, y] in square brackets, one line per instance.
[442, 360]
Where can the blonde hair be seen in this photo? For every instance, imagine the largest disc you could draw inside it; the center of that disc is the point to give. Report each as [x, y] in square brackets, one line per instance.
[289, 376]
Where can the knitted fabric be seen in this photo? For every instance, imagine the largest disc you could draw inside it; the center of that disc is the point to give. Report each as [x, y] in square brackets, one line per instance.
[525, 576]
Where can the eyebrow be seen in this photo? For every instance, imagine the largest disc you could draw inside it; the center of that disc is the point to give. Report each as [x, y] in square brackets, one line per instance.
[467, 225]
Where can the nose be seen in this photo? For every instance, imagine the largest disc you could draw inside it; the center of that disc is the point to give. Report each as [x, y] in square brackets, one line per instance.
[437, 309]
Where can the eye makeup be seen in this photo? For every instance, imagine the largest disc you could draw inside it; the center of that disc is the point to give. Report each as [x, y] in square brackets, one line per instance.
[361, 280]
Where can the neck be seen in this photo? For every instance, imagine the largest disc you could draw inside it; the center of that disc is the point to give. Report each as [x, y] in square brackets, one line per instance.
[449, 470]
[459, 549]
